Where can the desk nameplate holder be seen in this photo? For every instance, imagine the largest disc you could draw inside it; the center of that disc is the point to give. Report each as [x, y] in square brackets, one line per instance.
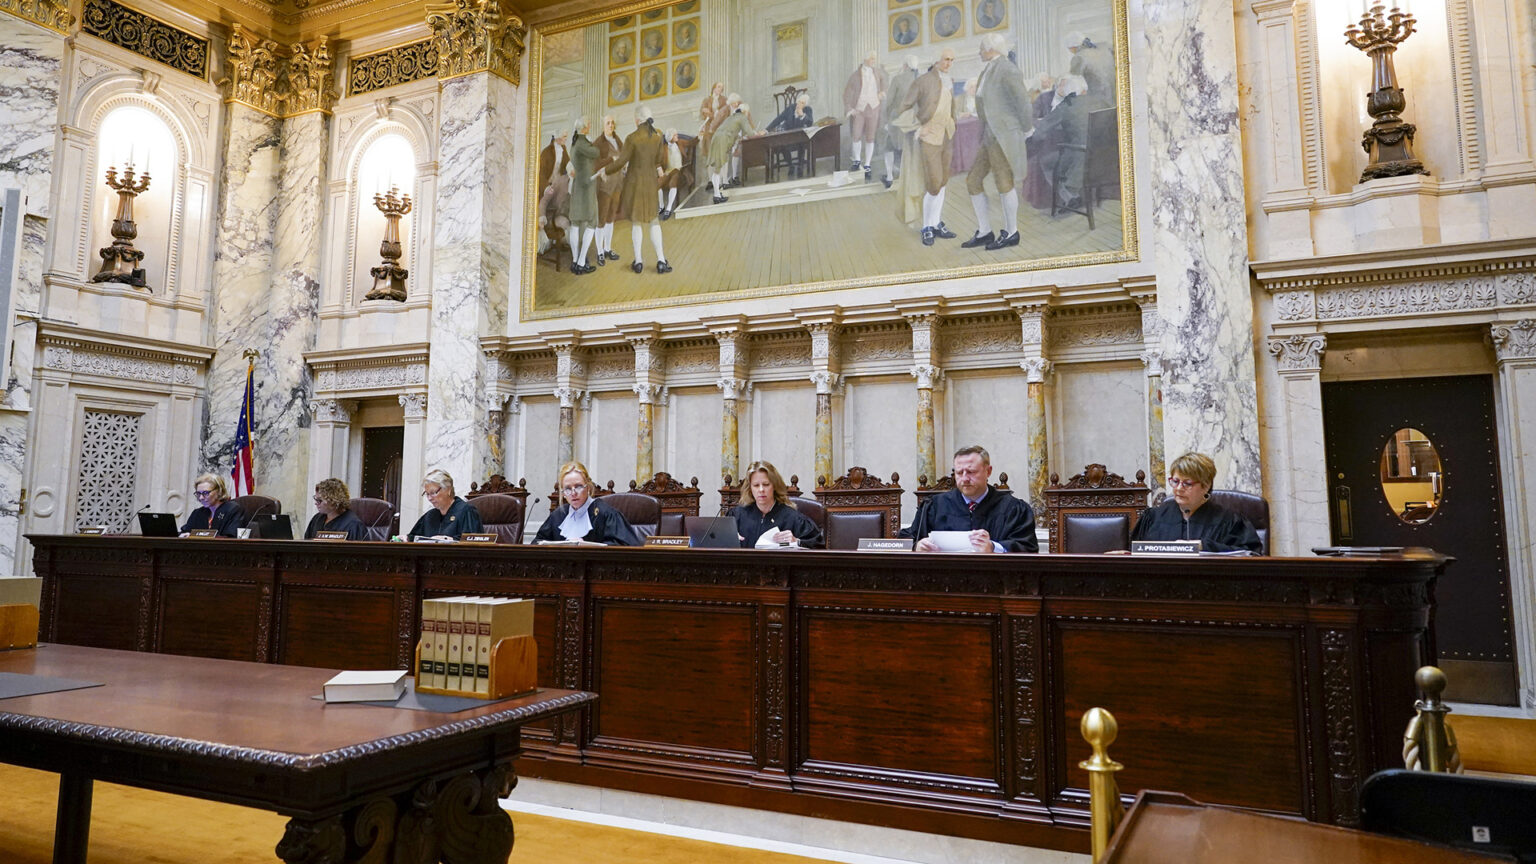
[884, 544]
[666, 541]
[1165, 547]
[477, 538]
[202, 532]
[330, 535]
[93, 531]
[514, 670]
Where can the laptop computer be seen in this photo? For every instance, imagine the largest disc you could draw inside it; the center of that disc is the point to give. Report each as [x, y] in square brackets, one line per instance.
[157, 525]
[712, 532]
[272, 526]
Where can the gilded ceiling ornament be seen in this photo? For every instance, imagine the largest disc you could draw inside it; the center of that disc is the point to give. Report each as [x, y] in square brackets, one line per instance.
[253, 71]
[53, 14]
[476, 36]
[311, 80]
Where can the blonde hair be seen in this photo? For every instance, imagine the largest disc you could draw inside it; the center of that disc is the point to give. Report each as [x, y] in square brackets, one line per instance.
[780, 490]
[439, 477]
[334, 492]
[569, 467]
[220, 488]
[1195, 466]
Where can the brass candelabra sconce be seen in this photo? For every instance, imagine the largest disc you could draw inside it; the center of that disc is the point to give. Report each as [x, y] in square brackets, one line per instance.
[389, 277]
[118, 260]
[1389, 141]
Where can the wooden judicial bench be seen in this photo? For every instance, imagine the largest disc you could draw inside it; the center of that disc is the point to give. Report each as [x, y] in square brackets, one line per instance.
[932, 692]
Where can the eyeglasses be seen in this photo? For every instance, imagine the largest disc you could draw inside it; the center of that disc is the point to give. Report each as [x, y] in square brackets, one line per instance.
[574, 490]
[1178, 483]
[427, 494]
[202, 493]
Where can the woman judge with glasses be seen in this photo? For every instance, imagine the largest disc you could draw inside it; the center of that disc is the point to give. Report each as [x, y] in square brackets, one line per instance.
[450, 516]
[333, 506]
[214, 509]
[1189, 514]
[583, 517]
[765, 507]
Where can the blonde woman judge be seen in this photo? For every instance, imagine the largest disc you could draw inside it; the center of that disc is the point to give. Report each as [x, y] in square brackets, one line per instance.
[214, 510]
[765, 507]
[583, 517]
[1189, 514]
[450, 516]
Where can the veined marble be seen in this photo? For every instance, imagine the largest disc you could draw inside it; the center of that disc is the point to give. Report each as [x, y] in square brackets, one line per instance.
[283, 405]
[1199, 243]
[473, 213]
[243, 275]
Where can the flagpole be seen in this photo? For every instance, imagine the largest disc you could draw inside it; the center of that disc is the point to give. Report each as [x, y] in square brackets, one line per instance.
[245, 431]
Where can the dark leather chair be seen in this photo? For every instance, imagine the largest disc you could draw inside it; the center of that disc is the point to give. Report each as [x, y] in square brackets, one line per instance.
[1449, 810]
[812, 510]
[1100, 503]
[643, 511]
[1252, 507]
[378, 516]
[859, 505]
[1101, 163]
[677, 501]
[500, 514]
[259, 505]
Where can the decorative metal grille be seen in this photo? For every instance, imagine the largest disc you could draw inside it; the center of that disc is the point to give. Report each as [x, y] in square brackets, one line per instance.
[109, 467]
[399, 65]
[141, 34]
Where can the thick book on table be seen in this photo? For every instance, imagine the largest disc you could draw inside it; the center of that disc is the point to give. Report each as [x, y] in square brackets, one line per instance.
[499, 617]
[366, 686]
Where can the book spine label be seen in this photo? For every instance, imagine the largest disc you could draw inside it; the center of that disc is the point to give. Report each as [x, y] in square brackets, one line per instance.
[455, 643]
[440, 646]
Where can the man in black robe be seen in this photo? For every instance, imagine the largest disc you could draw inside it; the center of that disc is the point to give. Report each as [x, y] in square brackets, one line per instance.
[995, 520]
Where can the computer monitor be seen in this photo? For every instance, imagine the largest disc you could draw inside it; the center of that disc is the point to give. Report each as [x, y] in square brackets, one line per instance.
[712, 532]
[157, 525]
[272, 526]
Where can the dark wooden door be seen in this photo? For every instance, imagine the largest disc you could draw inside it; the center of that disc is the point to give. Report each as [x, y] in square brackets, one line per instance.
[383, 449]
[1462, 517]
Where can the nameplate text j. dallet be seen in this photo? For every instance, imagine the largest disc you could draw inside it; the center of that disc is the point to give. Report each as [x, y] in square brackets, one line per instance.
[1165, 547]
[666, 540]
[884, 544]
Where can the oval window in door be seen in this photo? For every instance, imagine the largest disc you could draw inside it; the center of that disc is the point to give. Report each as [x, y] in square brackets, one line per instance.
[1411, 477]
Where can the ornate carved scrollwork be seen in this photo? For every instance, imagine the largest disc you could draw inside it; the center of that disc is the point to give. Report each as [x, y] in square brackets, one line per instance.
[310, 78]
[399, 65]
[53, 14]
[253, 72]
[477, 36]
[143, 35]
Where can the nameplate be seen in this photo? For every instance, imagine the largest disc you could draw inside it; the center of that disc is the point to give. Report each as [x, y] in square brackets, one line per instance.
[95, 530]
[477, 538]
[330, 535]
[884, 544]
[202, 532]
[1165, 547]
[666, 540]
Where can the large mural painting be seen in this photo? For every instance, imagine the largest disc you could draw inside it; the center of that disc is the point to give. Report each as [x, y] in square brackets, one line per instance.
[706, 150]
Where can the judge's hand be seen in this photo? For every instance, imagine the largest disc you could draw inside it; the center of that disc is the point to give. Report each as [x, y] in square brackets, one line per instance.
[926, 545]
[1117, 552]
[981, 541]
[783, 537]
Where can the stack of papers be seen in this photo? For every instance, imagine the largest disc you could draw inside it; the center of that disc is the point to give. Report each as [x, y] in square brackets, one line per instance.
[384, 685]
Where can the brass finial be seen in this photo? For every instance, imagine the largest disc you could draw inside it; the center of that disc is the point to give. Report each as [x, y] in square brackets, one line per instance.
[1100, 730]
[1429, 743]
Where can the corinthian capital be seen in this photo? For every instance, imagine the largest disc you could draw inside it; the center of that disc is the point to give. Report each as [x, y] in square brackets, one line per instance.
[415, 405]
[1036, 369]
[476, 36]
[1513, 340]
[927, 375]
[827, 383]
[252, 72]
[734, 388]
[1301, 353]
[311, 79]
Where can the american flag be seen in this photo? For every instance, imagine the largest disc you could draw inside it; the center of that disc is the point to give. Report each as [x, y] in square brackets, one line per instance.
[244, 473]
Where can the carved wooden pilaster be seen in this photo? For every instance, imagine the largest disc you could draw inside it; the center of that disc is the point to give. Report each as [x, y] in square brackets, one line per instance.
[472, 36]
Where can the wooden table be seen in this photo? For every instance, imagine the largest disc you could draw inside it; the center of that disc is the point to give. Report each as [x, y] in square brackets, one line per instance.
[357, 780]
[759, 150]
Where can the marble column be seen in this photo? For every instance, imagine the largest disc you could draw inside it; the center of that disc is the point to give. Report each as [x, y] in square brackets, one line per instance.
[826, 383]
[570, 388]
[328, 445]
[1300, 358]
[413, 463]
[1514, 345]
[31, 61]
[927, 460]
[733, 389]
[1036, 370]
[1198, 240]
[495, 459]
[1152, 357]
[473, 228]
[241, 293]
[826, 375]
[649, 378]
[922, 315]
[565, 448]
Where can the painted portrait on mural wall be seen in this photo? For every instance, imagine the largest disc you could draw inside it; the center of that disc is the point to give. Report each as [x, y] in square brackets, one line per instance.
[961, 144]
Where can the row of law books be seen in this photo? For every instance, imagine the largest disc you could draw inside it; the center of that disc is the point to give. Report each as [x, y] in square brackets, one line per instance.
[458, 635]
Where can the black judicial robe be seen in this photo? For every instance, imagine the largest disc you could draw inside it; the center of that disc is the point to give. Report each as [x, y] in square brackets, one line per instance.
[609, 526]
[1007, 519]
[752, 522]
[459, 520]
[345, 521]
[1217, 528]
[226, 520]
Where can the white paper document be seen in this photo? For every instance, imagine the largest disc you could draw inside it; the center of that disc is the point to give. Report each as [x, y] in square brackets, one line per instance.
[767, 542]
[951, 541]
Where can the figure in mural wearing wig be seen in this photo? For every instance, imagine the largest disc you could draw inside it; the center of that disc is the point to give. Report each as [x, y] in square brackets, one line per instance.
[891, 139]
[644, 154]
[609, 189]
[862, 97]
[932, 99]
[1003, 107]
[583, 206]
[1096, 65]
[735, 128]
[711, 114]
[666, 192]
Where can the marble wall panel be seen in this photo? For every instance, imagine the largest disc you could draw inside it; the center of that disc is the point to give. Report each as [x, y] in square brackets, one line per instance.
[534, 427]
[611, 438]
[693, 436]
[990, 410]
[1102, 409]
[784, 431]
[879, 431]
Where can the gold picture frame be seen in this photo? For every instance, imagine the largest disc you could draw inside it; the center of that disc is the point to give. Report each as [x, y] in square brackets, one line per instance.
[685, 74]
[910, 37]
[989, 15]
[653, 44]
[946, 22]
[685, 36]
[653, 81]
[621, 50]
[790, 60]
[621, 88]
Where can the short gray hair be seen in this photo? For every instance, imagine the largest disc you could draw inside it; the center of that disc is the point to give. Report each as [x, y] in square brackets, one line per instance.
[994, 42]
[440, 478]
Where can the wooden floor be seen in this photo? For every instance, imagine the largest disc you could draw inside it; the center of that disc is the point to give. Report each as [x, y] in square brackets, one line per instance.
[811, 242]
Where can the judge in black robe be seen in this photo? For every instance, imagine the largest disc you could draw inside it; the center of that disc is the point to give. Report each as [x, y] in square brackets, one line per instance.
[333, 511]
[765, 506]
[1189, 513]
[449, 515]
[346, 521]
[583, 517]
[975, 506]
[217, 511]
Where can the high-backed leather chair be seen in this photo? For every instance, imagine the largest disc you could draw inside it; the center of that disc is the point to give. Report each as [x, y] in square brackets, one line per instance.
[924, 490]
[859, 505]
[1094, 511]
[500, 514]
[258, 505]
[730, 493]
[677, 501]
[1101, 163]
[643, 511]
[812, 510]
[379, 517]
[1252, 507]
